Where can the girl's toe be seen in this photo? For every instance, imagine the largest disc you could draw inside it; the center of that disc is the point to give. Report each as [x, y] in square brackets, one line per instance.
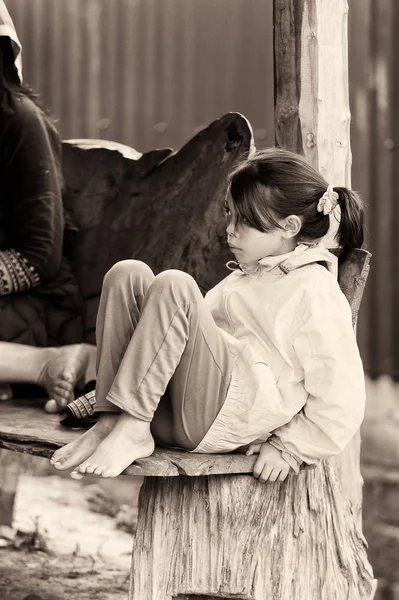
[76, 475]
[87, 469]
[98, 471]
[57, 457]
[58, 462]
[58, 465]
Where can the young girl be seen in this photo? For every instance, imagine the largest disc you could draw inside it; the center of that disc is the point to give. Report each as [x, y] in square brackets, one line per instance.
[268, 359]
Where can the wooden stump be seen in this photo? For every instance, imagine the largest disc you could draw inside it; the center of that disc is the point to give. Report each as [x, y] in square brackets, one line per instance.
[230, 536]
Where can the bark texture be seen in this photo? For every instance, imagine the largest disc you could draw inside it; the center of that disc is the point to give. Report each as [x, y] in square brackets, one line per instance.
[234, 537]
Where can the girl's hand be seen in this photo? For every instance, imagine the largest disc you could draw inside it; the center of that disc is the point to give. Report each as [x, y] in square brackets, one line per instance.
[270, 465]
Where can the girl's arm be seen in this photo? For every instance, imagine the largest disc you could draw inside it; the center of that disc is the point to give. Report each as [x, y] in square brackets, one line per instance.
[33, 206]
[333, 376]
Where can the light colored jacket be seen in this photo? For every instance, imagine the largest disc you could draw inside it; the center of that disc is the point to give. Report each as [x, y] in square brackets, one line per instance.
[297, 378]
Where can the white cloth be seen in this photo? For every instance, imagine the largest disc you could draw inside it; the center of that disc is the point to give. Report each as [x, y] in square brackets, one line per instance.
[298, 372]
[7, 29]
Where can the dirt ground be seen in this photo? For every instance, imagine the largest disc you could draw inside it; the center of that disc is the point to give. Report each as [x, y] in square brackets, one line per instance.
[67, 548]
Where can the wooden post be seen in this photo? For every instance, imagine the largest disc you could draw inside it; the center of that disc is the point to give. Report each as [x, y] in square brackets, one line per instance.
[312, 117]
[312, 113]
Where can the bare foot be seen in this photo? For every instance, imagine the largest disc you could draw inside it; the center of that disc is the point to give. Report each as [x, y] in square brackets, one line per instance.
[65, 366]
[128, 440]
[75, 452]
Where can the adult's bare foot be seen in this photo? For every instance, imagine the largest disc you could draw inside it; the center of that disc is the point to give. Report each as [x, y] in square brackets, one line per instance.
[77, 451]
[128, 440]
[63, 369]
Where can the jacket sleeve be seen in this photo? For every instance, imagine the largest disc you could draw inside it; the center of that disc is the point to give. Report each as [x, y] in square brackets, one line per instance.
[326, 349]
[34, 213]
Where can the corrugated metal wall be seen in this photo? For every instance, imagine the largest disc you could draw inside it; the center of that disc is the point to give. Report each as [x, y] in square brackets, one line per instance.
[149, 73]
[374, 68]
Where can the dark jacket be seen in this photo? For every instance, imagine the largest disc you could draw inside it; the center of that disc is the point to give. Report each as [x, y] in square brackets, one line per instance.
[40, 303]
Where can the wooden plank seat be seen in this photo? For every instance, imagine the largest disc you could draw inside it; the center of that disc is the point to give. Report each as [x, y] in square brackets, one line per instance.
[24, 428]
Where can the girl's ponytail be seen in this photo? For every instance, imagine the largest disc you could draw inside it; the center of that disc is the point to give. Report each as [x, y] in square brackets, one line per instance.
[350, 230]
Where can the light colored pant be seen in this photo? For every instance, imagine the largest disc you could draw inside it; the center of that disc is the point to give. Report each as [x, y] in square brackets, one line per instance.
[160, 355]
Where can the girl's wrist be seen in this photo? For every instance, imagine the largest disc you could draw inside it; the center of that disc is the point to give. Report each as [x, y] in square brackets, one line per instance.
[295, 462]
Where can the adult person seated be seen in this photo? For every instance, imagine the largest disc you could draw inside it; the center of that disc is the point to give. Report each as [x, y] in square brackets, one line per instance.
[40, 302]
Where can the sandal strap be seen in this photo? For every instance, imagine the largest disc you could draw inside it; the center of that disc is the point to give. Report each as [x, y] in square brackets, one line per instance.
[83, 407]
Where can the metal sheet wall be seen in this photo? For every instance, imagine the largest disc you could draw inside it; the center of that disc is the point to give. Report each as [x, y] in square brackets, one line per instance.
[149, 73]
[374, 68]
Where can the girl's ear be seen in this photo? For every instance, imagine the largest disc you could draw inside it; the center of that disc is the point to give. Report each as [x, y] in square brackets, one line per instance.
[291, 226]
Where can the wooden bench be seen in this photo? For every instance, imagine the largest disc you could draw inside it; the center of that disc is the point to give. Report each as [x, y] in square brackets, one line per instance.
[208, 529]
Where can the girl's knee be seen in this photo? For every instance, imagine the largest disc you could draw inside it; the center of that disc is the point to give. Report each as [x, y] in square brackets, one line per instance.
[174, 283]
[126, 270]
[174, 277]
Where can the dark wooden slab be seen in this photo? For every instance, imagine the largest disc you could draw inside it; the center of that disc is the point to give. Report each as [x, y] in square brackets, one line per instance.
[162, 207]
[26, 428]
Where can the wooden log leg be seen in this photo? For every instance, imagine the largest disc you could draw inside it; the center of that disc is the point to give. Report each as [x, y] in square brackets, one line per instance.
[231, 536]
[155, 538]
[10, 469]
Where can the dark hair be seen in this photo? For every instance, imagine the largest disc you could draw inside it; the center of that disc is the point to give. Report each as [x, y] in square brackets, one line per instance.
[275, 183]
[10, 85]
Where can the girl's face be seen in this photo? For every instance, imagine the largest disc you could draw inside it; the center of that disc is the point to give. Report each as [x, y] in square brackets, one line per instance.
[250, 245]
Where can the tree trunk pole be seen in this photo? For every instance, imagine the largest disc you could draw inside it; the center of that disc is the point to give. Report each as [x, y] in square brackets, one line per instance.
[312, 114]
[312, 117]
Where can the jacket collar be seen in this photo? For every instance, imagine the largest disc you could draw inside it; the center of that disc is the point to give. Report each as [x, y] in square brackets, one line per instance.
[304, 254]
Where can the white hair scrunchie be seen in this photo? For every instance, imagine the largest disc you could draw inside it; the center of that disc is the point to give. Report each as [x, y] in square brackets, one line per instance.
[328, 201]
